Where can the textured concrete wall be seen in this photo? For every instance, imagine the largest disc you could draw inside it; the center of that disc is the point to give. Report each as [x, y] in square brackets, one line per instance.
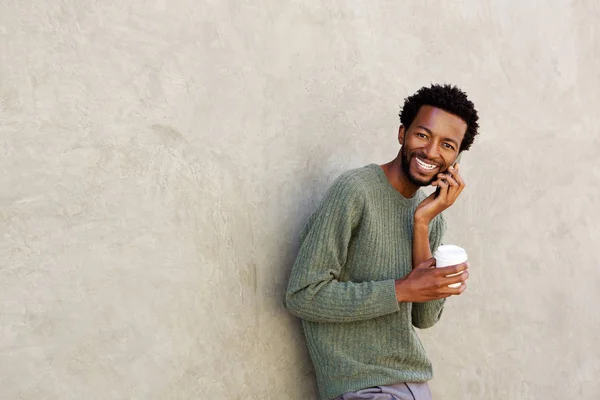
[158, 158]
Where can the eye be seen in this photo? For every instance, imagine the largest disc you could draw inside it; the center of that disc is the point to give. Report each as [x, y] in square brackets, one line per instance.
[421, 135]
[448, 146]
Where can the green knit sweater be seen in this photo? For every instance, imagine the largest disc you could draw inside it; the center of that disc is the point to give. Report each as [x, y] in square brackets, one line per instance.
[342, 286]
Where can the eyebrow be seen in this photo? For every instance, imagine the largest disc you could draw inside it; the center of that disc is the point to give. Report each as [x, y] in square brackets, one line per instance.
[431, 133]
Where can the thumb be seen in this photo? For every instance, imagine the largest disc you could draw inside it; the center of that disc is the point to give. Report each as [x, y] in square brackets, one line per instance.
[426, 264]
[431, 196]
[427, 200]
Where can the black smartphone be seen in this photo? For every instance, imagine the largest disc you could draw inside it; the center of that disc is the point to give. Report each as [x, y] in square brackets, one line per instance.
[437, 190]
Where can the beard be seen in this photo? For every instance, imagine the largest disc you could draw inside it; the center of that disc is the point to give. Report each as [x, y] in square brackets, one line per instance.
[405, 164]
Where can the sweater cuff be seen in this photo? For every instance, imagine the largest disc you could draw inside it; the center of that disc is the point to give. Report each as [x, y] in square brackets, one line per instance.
[390, 301]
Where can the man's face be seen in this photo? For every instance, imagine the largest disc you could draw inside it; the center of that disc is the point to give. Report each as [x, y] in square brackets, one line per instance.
[430, 144]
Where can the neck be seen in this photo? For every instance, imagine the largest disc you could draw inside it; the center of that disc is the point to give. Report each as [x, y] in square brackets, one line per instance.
[395, 174]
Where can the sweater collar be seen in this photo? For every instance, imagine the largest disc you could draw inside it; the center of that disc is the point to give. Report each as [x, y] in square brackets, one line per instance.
[410, 202]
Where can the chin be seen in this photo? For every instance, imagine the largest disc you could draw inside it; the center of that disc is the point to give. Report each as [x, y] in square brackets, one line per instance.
[424, 184]
[414, 178]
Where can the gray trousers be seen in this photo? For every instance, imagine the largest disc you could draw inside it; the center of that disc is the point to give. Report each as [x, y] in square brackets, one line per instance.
[398, 391]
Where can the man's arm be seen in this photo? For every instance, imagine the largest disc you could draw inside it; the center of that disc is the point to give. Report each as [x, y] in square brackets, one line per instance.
[427, 314]
[428, 300]
[314, 292]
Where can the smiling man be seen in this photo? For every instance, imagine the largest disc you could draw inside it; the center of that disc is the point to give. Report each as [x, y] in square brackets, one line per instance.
[364, 274]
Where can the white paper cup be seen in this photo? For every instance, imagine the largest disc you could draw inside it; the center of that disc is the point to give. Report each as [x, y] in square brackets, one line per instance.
[447, 255]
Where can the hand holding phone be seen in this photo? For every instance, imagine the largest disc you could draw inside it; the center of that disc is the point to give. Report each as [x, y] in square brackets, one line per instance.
[450, 185]
[448, 191]
[455, 165]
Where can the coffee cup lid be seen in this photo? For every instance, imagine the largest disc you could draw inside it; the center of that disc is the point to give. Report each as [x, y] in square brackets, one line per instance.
[450, 251]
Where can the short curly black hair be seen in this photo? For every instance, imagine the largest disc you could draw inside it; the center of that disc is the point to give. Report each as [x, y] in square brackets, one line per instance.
[448, 98]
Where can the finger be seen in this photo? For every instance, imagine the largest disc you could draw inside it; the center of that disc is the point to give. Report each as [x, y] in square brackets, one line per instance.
[453, 291]
[455, 174]
[453, 280]
[443, 190]
[450, 178]
[452, 269]
[452, 183]
[457, 177]
[454, 189]
[429, 263]
[439, 178]
[441, 181]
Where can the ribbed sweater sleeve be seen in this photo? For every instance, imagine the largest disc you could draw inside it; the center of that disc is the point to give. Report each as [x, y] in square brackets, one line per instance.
[314, 292]
[425, 315]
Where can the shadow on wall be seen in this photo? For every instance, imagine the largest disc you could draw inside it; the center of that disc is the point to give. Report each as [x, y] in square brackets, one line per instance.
[301, 201]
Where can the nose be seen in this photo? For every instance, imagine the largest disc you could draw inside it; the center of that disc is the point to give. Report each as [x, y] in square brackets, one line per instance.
[431, 150]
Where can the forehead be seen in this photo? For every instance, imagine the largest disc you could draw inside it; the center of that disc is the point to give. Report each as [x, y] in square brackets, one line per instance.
[440, 122]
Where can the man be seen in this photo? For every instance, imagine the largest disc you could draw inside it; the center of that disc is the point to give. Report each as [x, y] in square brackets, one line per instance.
[364, 275]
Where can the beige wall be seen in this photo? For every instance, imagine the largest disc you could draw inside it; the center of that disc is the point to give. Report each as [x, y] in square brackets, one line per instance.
[158, 159]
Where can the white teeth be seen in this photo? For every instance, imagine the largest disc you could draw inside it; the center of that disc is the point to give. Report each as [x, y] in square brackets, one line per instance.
[425, 165]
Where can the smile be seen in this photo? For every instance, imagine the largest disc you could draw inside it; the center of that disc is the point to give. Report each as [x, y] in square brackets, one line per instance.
[424, 165]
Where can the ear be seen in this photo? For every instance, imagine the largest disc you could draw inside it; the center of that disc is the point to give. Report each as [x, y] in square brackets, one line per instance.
[401, 134]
